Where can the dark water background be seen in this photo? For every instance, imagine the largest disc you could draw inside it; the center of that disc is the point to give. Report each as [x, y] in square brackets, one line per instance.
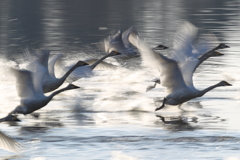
[112, 117]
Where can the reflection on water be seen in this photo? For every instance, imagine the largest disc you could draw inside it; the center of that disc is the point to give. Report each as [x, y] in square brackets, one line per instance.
[112, 116]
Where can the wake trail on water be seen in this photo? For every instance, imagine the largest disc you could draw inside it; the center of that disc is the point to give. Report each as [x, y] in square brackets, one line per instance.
[120, 90]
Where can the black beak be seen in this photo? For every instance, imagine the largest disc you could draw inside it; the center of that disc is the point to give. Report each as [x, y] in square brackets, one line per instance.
[160, 47]
[18, 120]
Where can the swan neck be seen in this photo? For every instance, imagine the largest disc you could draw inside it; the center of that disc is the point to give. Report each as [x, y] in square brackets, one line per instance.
[206, 55]
[69, 72]
[57, 92]
[202, 92]
[99, 61]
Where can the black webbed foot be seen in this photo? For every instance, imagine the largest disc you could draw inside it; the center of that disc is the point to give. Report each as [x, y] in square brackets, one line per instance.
[162, 106]
[35, 115]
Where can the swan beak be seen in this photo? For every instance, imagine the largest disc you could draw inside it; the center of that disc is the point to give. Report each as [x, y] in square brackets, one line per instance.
[75, 86]
[117, 53]
[228, 84]
[16, 119]
[219, 54]
[160, 47]
[72, 86]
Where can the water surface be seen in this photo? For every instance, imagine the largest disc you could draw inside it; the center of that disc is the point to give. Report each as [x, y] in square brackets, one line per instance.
[112, 117]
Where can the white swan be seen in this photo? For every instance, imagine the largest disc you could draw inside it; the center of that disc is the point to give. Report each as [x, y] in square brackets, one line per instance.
[190, 51]
[116, 41]
[120, 42]
[29, 87]
[172, 77]
[86, 71]
[211, 53]
[50, 81]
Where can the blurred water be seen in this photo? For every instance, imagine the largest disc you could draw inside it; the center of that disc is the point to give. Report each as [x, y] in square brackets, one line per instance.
[112, 117]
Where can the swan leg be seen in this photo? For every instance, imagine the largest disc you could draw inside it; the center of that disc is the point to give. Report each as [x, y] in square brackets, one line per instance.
[151, 87]
[179, 106]
[35, 115]
[162, 106]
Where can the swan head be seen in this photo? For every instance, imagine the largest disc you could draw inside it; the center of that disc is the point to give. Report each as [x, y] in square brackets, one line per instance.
[224, 83]
[222, 46]
[12, 118]
[81, 63]
[160, 47]
[72, 86]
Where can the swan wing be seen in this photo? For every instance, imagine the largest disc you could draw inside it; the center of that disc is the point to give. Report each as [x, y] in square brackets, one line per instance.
[183, 42]
[24, 83]
[125, 36]
[188, 45]
[51, 64]
[205, 43]
[114, 43]
[39, 68]
[170, 74]
[41, 59]
[80, 72]
[9, 144]
[37, 77]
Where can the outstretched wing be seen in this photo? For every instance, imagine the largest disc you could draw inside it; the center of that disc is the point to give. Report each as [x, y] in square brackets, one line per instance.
[38, 75]
[43, 58]
[125, 37]
[8, 143]
[51, 64]
[183, 42]
[24, 83]
[114, 43]
[80, 72]
[170, 74]
[188, 45]
[39, 68]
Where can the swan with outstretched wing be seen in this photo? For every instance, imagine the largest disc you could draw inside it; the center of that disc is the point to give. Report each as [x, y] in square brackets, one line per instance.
[191, 49]
[50, 81]
[172, 78]
[30, 90]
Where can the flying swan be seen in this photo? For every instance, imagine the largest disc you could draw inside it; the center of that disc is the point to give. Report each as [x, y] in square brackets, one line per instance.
[178, 83]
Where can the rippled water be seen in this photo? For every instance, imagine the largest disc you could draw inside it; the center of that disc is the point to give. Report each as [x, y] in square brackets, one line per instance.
[112, 117]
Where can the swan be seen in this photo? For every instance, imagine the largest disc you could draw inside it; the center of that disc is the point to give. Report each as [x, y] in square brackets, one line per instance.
[116, 42]
[29, 88]
[50, 81]
[120, 42]
[86, 71]
[189, 53]
[178, 90]
[211, 53]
